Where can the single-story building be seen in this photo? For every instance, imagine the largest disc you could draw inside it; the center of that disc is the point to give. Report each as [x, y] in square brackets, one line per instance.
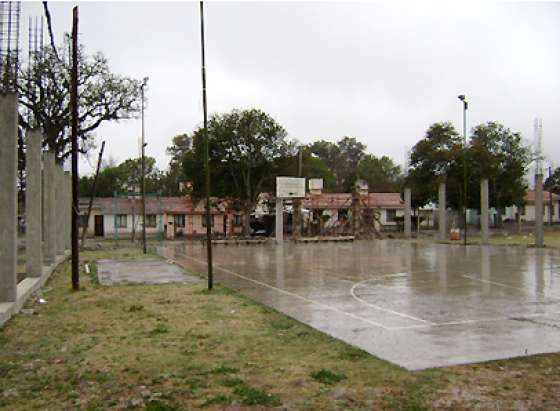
[527, 212]
[166, 217]
[338, 206]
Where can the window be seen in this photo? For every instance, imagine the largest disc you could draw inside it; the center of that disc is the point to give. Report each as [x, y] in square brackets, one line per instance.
[83, 220]
[120, 221]
[179, 220]
[151, 220]
[204, 220]
[237, 220]
[391, 215]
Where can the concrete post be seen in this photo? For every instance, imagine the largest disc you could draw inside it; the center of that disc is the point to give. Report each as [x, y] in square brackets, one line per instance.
[279, 221]
[539, 208]
[49, 226]
[407, 213]
[33, 229]
[8, 197]
[60, 205]
[484, 232]
[296, 220]
[68, 211]
[442, 213]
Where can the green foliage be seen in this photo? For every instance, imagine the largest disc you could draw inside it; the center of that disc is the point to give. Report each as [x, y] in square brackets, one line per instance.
[435, 158]
[494, 152]
[342, 158]
[552, 182]
[328, 377]
[124, 178]
[381, 173]
[243, 149]
[497, 153]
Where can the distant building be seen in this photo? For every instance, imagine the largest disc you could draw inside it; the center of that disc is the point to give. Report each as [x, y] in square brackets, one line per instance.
[338, 207]
[166, 217]
[527, 212]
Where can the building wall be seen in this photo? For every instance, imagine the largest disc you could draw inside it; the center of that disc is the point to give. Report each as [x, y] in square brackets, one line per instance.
[530, 213]
[109, 225]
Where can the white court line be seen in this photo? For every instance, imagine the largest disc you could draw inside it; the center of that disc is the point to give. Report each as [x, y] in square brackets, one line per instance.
[360, 300]
[376, 324]
[481, 320]
[508, 286]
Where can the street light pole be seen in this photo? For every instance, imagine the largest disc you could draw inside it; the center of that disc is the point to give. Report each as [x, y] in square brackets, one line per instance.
[465, 106]
[143, 165]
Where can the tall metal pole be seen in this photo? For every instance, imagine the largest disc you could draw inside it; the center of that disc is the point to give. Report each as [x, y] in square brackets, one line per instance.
[75, 186]
[465, 106]
[143, 171]
[206, 162]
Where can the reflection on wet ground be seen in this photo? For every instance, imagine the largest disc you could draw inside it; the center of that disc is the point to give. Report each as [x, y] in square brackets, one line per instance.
[415, 304]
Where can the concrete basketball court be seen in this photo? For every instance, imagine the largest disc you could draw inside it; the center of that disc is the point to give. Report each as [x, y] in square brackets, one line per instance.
[418, 305]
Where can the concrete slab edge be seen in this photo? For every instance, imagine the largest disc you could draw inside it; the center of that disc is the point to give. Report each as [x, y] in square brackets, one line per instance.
[27, 287]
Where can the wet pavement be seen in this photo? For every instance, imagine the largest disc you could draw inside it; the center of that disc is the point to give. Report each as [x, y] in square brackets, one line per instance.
[418, 305]
[149, 271]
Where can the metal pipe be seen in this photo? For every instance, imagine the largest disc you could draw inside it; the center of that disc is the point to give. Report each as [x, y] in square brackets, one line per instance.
[75, 181]
[206, 155]
[143, 171]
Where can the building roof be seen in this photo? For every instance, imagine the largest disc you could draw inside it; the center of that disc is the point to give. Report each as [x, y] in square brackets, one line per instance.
[344, 200]
[530, 197]
[154, 205]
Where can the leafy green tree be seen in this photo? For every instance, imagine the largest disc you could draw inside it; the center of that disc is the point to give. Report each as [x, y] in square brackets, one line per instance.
[552, 182]
[434, 159]
[244, 152]
[124, 178]
[342, 158]
[498, 154]
[44, 93]
[181, 147]
[381, 173]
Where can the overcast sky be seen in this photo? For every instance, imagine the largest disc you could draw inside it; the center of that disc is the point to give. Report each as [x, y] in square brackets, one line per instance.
[379, 71]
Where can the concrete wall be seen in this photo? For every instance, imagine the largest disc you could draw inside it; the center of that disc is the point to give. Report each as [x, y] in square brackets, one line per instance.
[8, 197]
[109, 225]
[193, 225]
[530, 213]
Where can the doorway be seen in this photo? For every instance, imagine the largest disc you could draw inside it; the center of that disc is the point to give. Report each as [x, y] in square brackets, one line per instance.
[99, 226]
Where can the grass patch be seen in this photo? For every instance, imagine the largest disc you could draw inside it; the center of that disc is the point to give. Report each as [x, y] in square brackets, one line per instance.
[327, 377]
[254, 396]
[180, 347]
[217, 399]
[224, 369]
[282, 324]
[162, 406]
[350, 353]
[159, 329]
[233, 382]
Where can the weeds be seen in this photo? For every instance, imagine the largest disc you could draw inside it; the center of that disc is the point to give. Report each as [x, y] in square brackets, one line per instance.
[327, 377]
